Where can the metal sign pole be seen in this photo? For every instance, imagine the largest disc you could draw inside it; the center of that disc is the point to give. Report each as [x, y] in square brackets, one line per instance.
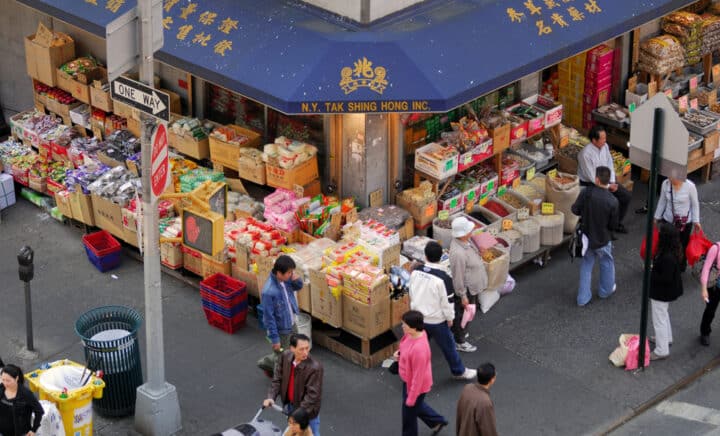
[655, 157]
[157, 408]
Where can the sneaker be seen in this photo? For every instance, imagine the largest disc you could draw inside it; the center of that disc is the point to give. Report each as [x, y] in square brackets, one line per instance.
[705, 340]
[466, 347]
[654, 356]
[469, 374]
[467, 335]
[611, 292]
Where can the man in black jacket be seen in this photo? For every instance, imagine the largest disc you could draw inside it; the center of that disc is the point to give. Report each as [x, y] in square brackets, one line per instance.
[598, 211]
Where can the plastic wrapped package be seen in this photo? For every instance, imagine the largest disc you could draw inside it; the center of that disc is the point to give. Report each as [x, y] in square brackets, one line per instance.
[530, 231]
[551, 228]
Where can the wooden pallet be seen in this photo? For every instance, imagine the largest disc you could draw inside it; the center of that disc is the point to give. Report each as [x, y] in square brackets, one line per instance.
[367, 353]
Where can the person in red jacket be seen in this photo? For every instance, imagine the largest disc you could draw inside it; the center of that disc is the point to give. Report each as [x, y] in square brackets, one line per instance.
[415, 370]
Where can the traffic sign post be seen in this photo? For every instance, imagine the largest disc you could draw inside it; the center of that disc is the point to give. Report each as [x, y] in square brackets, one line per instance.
[141, 97]
[160, 165]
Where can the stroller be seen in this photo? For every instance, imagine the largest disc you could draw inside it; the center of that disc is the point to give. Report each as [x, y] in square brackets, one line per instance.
[256, 427]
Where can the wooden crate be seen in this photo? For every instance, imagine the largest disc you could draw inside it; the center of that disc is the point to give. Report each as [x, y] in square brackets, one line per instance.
[228, 154]
[367, 353]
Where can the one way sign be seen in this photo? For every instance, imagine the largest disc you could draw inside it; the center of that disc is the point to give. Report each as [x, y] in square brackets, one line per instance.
[141, 97]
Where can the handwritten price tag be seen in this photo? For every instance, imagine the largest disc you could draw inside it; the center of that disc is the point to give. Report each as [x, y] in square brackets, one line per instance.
[523, 213]
[530, 174]
[552, 173]
[516, 183]
[484, 199]
[693, 84]
[716, 74]
[443, 215]
[467, 159]
[683, 103]
[547, 208]
[507, 224]
[502, 190]
[694, 104]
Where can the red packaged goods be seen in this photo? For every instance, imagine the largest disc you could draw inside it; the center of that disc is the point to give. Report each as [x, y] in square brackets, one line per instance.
[496, 208]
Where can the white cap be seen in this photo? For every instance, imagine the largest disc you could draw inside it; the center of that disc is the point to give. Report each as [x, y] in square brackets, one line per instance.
[461, 226]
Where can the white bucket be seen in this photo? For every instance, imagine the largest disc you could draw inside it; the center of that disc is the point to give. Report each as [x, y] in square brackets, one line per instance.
[304, 325]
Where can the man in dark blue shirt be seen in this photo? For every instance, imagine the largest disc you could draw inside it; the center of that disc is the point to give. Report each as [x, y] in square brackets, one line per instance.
[598, 211]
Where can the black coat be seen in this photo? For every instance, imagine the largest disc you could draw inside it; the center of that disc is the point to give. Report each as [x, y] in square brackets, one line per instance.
[25, 404]
[665, 281]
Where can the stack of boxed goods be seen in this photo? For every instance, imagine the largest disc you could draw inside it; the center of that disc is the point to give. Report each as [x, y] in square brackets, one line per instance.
[710, 34]
[377, 239]
[110, 193]
[469, 188]
[420, 202]
[78, 184]
[42, 172]
[487, 178]
[392, 218]
[498, 125]
[20, 167]
[224, 301]
[471, 140]
[309, 258]
[45, 52]
[571, 77]
[598, 81]
[436, 160]
[190, 136]
[37, 125]
[323, 216]
[171, 254]
[77, 75]
[251, 166]
[280, 209]
[687, 28]
[83, 148]
[226, 141]
[661, 55]
[55, 142]
[290, 163]
[117, 148]
[178, 167]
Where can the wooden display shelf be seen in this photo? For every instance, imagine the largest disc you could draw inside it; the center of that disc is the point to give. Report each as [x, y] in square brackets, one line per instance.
[367, 353]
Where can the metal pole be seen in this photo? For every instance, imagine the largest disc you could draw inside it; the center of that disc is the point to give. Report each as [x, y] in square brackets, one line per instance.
[28, 318]
[654, 158]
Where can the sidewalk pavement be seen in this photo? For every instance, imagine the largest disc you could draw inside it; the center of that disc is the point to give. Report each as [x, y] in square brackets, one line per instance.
[554, 376]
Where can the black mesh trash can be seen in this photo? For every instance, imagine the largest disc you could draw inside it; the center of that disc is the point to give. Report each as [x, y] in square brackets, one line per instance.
[109, 334]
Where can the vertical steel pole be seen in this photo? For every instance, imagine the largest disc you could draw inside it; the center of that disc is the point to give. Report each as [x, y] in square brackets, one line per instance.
[28, 318]
[654, 158]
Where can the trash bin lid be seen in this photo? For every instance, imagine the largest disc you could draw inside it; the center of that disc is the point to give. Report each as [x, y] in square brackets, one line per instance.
[58, 378]
[110, 335]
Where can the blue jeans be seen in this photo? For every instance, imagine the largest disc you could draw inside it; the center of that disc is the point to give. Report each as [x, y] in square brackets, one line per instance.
[607, 273]
[445, 340]
[420, 410]
[314, 422]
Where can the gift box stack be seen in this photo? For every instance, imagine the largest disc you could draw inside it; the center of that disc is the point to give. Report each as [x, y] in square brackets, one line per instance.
[598, 81]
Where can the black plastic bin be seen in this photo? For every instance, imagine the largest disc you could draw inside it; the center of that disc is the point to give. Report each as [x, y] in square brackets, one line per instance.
[116, 352]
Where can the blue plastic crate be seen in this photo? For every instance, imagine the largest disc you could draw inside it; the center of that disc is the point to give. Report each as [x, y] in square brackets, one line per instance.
[228, 313]
[104, 263]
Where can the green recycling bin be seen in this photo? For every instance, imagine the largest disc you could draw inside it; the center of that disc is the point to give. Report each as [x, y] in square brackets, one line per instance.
[109, 335]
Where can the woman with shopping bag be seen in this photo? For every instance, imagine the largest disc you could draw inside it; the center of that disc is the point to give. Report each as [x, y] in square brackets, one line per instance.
[710, 291]
[678, 205]
[665, 286]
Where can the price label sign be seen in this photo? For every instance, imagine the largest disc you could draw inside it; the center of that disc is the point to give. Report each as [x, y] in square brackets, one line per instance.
[652, 89]
[716, 74]
[516, 183]
[469, 206]
[668, 93]
[683, 103]
[443, 215]
[507, 224]
[547, 208]
[694, 104]
[632, 107]
[530, 174]
[693, 84]
[523, 213]
[467, 159]
[484, 199]
[552, 173]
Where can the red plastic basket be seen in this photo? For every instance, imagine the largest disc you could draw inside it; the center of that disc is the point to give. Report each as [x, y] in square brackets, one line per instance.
[223, 286]
[101, 243]
[229, 303]
[229, 325]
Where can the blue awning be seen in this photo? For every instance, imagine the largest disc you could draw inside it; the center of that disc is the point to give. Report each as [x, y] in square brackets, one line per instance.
[432, 57]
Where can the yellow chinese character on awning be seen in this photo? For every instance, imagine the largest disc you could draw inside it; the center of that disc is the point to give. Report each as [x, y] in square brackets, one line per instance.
[534, 10]
[551, 4]
[227, 25]
[92, 2]
[183, 31]
[114, 5]
[202, 39]
[207, 18]
[222, 46]
[542, 28]
[559, 20]
[575, 14]
[515, 16]
[187, 10]
[167, 21]
[169, 4]
[592, 7]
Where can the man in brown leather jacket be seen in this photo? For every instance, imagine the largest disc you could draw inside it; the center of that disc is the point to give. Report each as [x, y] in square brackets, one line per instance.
[298, 380]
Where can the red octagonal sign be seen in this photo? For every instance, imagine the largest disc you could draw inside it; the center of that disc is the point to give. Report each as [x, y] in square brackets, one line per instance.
[160, 164]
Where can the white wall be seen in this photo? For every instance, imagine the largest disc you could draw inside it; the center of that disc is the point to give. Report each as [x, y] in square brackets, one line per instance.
[381, 8]
[346, 8]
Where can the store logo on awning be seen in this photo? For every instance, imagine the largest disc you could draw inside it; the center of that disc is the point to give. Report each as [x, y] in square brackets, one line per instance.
[363, 75]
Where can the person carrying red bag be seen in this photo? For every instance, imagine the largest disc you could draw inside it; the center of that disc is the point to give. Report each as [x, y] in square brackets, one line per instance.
[678, 205]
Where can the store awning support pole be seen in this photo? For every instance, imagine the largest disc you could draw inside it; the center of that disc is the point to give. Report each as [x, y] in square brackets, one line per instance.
[157, 409]
[654, 158]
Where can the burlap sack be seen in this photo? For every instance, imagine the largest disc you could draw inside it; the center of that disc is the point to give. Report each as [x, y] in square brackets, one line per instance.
[498, 269]
[563, 196]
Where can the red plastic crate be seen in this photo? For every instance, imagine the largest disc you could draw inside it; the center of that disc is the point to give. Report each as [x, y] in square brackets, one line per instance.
[101, 243]
[234, 300]
[229, 325]
[222, 286]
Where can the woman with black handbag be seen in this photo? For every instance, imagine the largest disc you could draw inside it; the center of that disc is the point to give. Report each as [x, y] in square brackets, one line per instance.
[678, 204]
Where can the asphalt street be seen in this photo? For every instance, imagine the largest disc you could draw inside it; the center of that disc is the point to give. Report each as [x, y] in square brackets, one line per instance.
[554, 377]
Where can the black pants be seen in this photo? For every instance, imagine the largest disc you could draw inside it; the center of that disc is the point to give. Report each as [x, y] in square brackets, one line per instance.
[709, 313]
[623, 197]
[459, 332]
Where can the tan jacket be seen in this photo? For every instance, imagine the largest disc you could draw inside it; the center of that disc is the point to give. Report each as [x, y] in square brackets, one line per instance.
[308, 382]
[468, 269]
[475, 412]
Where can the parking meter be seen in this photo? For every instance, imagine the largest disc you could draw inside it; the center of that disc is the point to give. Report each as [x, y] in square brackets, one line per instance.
[26, 268]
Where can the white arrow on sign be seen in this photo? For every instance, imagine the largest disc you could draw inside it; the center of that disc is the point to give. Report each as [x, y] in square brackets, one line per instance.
[148, 100]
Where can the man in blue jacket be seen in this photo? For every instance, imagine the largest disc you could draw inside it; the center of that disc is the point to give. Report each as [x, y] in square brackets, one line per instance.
[280, 309]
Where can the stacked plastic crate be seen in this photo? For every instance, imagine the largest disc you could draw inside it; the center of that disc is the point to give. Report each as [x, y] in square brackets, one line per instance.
[103, 250]
[224, 300]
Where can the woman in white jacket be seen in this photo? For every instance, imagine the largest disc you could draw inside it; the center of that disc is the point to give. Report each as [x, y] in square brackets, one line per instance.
[432, 294]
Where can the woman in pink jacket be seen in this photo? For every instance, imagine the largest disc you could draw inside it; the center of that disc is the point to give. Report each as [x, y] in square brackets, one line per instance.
[415, 370]
[710, 291]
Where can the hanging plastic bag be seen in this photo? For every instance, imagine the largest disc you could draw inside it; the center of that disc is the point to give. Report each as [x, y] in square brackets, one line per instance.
[655, 238]
[633, 346]
[697, 246]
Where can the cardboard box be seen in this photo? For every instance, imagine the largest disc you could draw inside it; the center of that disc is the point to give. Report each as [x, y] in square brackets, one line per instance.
[79, 86]
[130, 236]
[192, 260]
[99, 98]
[61, 109]
[82, 207]
[397, 308]
[326, 304]
[175, 105]
[250, 280]
[62, 199]
[711, 141]
[242, 257]
[43, 62]
[303, 174]
[422, 213]
[123, 110]
[228, 154]
[108, 215]
[366, 320]
[190, 146]
[211, 266]
[171, 255]
[435, 167]
[252, 171]
[501, 138]
[304, 299]
[7, 191]
[311, 189]
[133, 125]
